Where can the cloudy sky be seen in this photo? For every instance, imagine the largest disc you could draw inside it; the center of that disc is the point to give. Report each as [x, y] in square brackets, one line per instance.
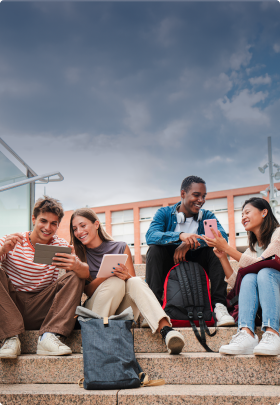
[127, 99]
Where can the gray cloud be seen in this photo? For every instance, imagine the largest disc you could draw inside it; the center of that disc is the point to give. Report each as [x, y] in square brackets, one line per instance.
[126, 99]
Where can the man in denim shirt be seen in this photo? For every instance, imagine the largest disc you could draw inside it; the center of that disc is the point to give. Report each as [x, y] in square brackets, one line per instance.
[172, 237]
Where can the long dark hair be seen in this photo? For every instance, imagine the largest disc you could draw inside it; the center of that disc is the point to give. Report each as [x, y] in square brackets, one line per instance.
[268, 225]
[88, 213]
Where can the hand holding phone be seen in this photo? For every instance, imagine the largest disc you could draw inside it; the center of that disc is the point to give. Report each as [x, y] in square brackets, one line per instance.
[208, 225]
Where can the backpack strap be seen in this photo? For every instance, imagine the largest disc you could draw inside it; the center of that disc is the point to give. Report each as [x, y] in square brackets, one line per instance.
[188, 300]
[185, 287]
[144, 378]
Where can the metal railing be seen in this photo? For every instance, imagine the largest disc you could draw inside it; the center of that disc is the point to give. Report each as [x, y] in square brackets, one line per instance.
[32, 179]
[45, 177]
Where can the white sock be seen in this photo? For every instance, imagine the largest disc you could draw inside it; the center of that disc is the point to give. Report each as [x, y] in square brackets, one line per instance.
[45, 334]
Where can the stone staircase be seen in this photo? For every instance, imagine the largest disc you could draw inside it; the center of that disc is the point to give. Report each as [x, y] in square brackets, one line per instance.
[193, 377]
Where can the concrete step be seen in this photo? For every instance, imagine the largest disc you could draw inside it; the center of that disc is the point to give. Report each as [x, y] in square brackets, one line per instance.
[71, 394]
[201, 394]
[185, 369]
[54, 394]
[144, 340]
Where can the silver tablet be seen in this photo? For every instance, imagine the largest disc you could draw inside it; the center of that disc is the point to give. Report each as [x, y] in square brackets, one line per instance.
[44, 253]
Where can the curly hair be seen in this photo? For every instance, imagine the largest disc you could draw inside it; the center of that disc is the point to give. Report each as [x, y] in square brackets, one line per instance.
[187, 182]
[268, 225]
[48, 204]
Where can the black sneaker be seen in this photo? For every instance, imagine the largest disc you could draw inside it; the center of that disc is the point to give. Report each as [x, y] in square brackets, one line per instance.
[173, 340]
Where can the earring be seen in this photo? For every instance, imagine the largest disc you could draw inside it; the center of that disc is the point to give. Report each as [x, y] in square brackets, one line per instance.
[263, 216]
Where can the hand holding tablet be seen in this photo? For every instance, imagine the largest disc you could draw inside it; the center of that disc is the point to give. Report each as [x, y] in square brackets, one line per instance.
[44, 254]
[109, 264]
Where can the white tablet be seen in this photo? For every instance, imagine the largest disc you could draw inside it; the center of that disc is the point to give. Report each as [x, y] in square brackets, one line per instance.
[107, 264]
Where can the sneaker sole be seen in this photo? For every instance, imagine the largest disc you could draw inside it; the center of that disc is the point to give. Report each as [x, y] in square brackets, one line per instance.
[229, 323]
[266, 353]
[9, 356]
[236, 353]
[175, 345]
[46, 353]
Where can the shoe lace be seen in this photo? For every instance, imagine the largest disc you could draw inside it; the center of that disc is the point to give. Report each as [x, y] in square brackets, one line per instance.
[267, 337]
[55, 339]
[164, 331]
[9, 343]
[241, 335]
[222, 309]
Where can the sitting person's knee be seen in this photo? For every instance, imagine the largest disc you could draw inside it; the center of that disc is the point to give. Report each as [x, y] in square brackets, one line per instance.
[118, 285]
[249, 279]
[263, 275]
[134, 281]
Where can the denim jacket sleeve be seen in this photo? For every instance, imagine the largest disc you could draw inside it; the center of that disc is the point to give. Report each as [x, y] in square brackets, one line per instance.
[157, 233]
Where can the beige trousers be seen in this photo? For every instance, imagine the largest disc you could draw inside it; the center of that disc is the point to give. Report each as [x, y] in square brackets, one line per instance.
[115, 295]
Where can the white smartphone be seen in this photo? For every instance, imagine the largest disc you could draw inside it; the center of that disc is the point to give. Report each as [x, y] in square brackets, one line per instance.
[208, 224]
[107, 264]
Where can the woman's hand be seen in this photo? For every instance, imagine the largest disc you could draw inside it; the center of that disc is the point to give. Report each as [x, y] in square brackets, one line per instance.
[121, 272]
[68, 262]
[217, 242]
[71, 262]
[221, 255]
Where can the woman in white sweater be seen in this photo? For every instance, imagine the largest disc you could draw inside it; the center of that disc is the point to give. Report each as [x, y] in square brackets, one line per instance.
[262, 289]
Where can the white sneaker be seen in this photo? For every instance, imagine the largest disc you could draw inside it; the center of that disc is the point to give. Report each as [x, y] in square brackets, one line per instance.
[174, 340]
[269, 345]
[241, 343]
[52, 346]
[222, 315]
[11, 348]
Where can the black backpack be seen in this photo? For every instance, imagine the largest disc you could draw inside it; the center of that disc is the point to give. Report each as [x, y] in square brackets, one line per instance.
[187, 300]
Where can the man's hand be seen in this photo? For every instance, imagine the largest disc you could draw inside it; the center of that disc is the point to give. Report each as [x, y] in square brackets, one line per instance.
[10, 243]
[180, 252]
[190, 239]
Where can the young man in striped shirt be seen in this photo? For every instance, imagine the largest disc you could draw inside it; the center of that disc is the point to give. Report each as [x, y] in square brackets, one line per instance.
[31, 295]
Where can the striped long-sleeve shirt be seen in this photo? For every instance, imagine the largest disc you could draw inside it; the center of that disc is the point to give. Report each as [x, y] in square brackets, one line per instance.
[22, 271]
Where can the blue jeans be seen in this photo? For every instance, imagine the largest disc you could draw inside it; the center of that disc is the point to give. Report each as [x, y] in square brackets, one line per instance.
[262, 289]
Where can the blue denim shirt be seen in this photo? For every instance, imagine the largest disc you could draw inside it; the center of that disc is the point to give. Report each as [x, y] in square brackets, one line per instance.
[161, 230]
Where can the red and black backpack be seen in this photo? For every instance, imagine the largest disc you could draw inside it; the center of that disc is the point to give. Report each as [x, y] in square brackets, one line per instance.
[187, 299]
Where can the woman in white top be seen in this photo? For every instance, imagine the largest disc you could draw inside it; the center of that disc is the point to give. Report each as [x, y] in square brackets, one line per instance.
[262, 289]
[109, 296]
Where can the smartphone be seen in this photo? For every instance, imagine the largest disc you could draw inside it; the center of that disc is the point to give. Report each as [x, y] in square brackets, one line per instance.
[208, 224]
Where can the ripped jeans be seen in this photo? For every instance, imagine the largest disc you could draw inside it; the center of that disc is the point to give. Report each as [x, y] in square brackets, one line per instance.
[262, 289]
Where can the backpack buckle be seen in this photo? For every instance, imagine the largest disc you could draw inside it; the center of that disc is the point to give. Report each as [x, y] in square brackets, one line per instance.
[200, 315]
